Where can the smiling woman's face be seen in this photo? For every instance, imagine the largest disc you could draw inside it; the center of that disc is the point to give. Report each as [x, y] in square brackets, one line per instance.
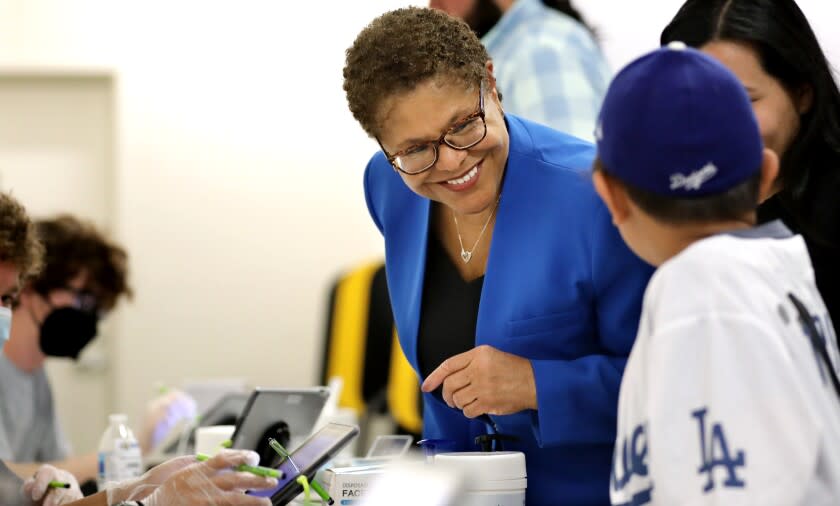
[467, 181]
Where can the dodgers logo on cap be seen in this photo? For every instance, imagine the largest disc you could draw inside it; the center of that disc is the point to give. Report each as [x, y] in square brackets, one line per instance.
[695, 180]
[675, 122]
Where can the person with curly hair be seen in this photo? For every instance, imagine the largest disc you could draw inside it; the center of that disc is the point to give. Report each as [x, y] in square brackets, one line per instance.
[21, 256]
[83, 277]
[514, 297]
[73, 249]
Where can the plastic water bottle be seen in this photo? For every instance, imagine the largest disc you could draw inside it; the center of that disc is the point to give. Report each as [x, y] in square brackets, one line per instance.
[119, 453]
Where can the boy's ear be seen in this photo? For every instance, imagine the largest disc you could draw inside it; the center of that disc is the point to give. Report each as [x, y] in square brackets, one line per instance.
[613, 195]
[769, 172]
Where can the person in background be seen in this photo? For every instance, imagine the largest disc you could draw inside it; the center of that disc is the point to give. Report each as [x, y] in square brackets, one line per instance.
[21, 254]
[181, 481]
[512, 293]
[57, 315]
[731, 394]
[771, 47]
[547, 62]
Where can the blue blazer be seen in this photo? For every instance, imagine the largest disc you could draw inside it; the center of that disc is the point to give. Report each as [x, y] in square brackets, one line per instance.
[560, 289]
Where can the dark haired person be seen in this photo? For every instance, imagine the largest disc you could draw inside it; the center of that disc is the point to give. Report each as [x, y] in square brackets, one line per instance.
[83, 277]
[548, 65]
[180, 481]
[513, 296]
[731, 394]
[20, 257]
[771, 47]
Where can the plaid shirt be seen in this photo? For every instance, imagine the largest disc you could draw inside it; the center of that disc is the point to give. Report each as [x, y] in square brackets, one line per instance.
[548, 68]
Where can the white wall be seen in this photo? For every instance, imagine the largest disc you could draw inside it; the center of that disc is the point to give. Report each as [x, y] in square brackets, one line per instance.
[238, 177]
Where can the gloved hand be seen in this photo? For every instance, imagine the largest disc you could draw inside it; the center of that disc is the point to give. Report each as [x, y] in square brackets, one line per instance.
[137, 489]
[184, 481]
[164, 414]
[38, 489]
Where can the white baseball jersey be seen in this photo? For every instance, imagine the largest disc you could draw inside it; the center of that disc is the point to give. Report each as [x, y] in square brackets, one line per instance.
[725, 400]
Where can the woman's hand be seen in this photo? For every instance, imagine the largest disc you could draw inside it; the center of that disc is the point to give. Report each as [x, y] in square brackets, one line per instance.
[38, 487]
[485, 380]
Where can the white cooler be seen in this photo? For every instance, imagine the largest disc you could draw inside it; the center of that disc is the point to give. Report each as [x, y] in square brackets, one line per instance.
[492, 478]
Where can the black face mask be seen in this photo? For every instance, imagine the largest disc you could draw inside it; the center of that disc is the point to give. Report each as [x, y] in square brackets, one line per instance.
[66, 331]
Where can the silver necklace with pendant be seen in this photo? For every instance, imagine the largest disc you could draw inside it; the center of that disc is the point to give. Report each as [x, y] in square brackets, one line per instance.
[466, 255]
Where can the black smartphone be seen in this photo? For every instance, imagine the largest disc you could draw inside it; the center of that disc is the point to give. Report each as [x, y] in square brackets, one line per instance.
[310, 456]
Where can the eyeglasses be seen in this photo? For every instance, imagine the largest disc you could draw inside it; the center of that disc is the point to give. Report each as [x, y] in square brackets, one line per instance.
[464, 134]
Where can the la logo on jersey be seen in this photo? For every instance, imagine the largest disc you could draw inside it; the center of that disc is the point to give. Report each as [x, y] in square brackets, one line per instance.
[720, 463]
[715, 454]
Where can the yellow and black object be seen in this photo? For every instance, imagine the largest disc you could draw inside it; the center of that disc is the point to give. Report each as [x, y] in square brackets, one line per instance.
[361, 347]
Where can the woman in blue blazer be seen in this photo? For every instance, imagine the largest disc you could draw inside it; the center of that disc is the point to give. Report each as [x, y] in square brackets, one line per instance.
[515, 299]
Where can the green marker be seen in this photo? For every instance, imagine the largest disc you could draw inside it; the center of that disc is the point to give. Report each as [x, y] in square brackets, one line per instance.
[321, 492]
[59, 484]
[303, 482]
[277, 447]
[265, 472]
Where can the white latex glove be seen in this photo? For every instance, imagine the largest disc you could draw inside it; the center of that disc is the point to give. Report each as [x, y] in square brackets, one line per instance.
[137, 489]
[37, 487]
[184, 481]
[164, 414]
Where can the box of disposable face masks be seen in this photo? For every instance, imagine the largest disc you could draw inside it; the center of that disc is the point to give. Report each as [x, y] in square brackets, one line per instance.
[348, 485]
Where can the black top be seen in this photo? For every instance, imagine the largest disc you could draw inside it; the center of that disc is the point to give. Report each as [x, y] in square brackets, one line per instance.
[824, 257]
[449, 312]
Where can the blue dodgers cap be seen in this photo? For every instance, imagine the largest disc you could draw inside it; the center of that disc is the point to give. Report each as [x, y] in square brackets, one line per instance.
[677, 123]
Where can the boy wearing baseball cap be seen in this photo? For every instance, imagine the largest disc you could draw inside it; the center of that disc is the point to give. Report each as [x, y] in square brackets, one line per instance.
[731, 392]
